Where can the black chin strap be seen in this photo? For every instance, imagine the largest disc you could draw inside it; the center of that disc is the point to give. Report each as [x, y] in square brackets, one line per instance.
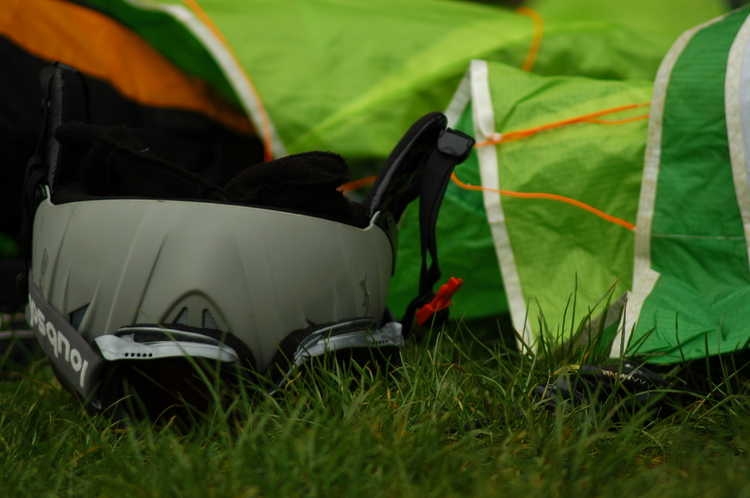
[453, 148]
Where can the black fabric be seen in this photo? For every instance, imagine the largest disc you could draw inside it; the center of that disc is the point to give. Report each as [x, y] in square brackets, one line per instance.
[305, 182]
[452, 148]
[117, 163]
[20, 124]
[190, 140]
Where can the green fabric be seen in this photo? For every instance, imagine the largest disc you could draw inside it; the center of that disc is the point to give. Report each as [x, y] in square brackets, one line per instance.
[352, 75]
[667, 17]
[553, 243]
[556, 245]
[372, 68]
[170, 37]
[591, 49]
[697, 241]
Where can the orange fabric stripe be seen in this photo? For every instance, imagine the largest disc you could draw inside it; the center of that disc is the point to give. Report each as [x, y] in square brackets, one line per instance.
[100, 47]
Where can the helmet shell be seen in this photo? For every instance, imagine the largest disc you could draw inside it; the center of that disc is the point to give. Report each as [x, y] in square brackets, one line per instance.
[256, 273]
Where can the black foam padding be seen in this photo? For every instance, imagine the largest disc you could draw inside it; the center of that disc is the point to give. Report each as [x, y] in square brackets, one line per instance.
[399, 181]
[117, 163]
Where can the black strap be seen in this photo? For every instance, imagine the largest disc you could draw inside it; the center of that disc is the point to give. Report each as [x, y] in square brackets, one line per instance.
[66, 348]
[453, 147]
[64, 98]
[399, 180]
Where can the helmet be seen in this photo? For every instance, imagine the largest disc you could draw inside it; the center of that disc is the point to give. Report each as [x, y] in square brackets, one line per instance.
[134, 262]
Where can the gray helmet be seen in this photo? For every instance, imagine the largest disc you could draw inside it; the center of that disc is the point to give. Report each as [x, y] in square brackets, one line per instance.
[170, 267]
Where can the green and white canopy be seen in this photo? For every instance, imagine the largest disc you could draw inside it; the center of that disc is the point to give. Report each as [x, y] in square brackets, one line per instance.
[691, 291]
[351, 75]
[686, 265]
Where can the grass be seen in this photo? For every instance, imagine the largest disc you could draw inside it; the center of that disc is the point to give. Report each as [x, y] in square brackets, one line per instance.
[461, 419]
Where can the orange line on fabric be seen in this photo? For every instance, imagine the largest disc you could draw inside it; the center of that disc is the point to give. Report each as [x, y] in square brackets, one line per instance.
[536, 40]
[553, 197]
[264, 121]
[370, 180]
[617, 121]
[517, 135]
[367, 181]
[521, 134]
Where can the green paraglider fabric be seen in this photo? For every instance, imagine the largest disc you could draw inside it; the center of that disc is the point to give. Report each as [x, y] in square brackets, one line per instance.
[351, 76]
[698, 248]
[566, 260]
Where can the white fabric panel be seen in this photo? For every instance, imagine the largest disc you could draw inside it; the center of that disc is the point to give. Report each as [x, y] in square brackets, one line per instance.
[737, 108]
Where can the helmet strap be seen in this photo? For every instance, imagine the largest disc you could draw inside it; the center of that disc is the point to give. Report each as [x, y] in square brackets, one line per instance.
[453, 147]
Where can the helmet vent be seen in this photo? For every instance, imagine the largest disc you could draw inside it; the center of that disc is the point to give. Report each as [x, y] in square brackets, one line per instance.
[208, 321]
[76, 317]
[182, 317]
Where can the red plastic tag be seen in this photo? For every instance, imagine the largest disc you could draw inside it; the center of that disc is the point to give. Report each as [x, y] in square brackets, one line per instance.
[441, 300]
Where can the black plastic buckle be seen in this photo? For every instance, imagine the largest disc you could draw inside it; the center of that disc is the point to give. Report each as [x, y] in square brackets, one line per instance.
[456, 144]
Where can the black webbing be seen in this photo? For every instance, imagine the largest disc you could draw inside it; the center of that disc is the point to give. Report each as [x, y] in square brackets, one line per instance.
[66, 348]
[64, 97]
[453, 148]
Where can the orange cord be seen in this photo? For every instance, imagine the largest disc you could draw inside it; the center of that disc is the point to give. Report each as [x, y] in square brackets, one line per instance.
[617, 121]
[369, 180]
[264, 122]
[517, 135]
[536, 40]
[553, 197]
[521, 134]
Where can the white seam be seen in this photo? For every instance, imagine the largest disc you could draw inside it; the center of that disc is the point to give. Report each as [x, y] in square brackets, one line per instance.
[234, 74]
[484, 129]
[641, 290]
[737, 119]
